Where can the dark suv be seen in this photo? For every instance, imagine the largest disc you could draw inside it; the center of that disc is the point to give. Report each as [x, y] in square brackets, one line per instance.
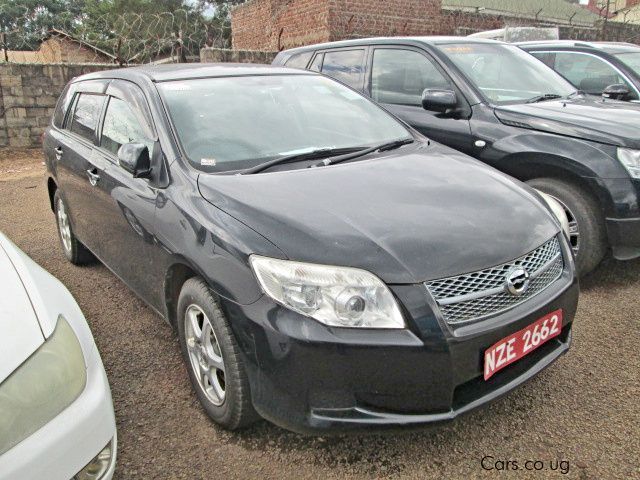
[325, 265]
[593, 67]
[502, 106]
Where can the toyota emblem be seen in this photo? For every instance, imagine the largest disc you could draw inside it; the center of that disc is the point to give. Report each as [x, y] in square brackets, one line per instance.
[516, 281]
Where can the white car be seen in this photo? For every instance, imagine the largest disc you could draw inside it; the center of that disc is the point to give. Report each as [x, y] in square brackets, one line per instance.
[56, 413]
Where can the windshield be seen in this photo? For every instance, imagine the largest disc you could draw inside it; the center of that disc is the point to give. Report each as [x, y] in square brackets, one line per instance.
[232, 123]
[505, 74]
[631, 60]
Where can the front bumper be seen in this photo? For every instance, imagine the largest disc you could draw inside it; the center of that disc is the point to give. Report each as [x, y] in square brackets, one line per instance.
[624, 237]
[310, 378]
[61, 448]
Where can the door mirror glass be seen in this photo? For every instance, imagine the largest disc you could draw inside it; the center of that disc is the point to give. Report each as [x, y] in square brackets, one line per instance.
[617, 91]
[439, 100]
[134, 158]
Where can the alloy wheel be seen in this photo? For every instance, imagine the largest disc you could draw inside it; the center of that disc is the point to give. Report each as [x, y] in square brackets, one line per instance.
[63, 226]
[204, 354]
[574, 230]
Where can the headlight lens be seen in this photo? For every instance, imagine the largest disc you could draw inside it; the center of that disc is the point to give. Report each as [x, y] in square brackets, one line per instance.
[44, 385]
[335, 296]
[631, 161]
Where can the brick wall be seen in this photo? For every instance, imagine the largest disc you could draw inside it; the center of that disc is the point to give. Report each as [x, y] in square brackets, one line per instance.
[276, 25]
[28, 94]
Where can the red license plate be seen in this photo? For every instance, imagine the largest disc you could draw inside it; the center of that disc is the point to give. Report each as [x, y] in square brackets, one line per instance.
[519, 344]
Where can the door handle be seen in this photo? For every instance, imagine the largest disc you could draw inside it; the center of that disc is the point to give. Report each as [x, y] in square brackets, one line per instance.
[92, 173]
[59, 152]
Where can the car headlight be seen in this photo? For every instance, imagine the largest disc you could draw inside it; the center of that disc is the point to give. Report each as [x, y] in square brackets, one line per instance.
[42, 387]
[631, 161]
[335, 296]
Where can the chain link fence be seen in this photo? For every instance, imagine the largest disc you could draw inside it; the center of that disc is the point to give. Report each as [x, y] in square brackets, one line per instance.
[123, 39]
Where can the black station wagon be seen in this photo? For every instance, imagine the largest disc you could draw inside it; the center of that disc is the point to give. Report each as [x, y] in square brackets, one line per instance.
[496, 103]
[326, 267]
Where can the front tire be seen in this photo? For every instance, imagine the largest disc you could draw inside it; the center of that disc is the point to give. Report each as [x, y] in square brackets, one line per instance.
[75, 251]
[213, 358]
[587, 232]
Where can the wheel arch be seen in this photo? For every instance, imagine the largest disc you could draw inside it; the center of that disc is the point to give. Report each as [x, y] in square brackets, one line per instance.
[528, 166]
[176, 275]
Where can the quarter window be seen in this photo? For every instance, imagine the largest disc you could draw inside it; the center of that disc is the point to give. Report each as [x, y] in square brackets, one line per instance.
[86, 115]
[400, 76]
[299, 60]
[345, 66]
[587, 72]
[121, 126]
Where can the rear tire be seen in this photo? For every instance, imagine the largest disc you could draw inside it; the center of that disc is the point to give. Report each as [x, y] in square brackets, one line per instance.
[588, 234]
[213, 358]
[75, 251]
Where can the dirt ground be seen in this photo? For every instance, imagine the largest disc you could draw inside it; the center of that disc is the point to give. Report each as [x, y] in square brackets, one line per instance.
[583, 410]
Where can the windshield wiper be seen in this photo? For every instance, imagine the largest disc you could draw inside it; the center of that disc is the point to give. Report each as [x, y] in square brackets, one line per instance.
[360, 153]
[542, 98]
[295, 157]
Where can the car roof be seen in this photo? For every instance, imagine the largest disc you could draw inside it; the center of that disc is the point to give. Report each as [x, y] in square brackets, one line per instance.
[610, 47]
[431, 40]
[183, 71]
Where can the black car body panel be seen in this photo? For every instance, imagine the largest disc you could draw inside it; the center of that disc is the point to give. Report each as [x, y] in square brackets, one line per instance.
[345, 216]
[409, 215]
[573, 139]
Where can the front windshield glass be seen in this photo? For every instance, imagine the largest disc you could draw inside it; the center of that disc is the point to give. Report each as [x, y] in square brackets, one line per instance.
[631, 60]
[505, 74]
[232, 123]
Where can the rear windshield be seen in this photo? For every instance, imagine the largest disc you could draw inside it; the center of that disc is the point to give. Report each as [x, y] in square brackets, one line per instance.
[232, 123]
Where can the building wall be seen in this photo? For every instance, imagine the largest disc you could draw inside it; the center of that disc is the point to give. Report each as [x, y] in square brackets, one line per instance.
[274, 25]
[28, 95]
[57, 49]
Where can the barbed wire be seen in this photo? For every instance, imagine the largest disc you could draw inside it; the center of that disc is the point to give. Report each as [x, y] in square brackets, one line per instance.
[128, 38]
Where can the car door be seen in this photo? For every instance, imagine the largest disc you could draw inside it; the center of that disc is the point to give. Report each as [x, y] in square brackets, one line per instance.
[397, 76]
[586, 71]
[76, 163]
[128, 242]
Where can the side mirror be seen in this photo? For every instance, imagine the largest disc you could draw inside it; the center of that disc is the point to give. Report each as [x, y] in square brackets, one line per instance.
[617, 91]
[134, 158]
[439, 100]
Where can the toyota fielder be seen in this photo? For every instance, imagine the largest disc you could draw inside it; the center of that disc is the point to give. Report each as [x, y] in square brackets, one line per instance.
[325, 266]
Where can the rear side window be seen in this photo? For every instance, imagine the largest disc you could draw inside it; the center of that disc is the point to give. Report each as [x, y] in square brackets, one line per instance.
[400, 76]
[345, 65]
[317, 63]
[299, 60]
[86, 115]
[62, 106]
[121, 126]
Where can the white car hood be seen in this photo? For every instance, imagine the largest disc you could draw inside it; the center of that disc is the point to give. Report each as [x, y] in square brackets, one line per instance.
[20, 332]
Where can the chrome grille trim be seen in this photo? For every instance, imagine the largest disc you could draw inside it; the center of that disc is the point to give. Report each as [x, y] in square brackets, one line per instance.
[477, 295]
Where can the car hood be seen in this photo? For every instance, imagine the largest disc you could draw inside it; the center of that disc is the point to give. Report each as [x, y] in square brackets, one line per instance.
[20, 333]
[408, 217]
[586, 117]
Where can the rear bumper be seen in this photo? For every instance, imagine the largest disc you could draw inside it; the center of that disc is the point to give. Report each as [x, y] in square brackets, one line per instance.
[310, 378]
[624, 237]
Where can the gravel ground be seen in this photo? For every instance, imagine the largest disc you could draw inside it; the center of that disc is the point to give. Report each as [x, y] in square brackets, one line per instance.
[582, 410]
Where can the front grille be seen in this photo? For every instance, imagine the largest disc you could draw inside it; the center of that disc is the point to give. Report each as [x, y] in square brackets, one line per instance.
[480, 294]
